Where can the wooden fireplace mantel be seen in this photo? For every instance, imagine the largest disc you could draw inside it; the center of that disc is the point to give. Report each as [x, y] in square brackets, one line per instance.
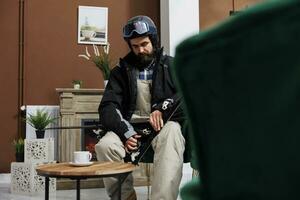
[80, 91]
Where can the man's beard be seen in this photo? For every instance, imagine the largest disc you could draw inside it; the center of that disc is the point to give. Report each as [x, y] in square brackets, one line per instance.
[144, 60]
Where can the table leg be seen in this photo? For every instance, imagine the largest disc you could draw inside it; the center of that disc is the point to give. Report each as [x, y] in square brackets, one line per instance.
[46, 188]
[78, 189]
[121, 178]
[119, 186]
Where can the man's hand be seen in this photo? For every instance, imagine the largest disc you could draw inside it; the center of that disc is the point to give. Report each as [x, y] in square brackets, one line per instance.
[131, 143]
[156, 120]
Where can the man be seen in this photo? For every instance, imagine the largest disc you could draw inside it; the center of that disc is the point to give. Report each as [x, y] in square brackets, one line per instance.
[141, 86]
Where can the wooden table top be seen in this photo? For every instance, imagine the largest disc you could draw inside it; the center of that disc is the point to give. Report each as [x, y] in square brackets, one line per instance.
[96, 169]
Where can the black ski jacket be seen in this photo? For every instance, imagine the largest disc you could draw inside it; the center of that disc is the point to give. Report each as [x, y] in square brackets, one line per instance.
[119, 99]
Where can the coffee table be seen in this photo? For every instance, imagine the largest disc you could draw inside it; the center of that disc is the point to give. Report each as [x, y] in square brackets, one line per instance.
[96, 170]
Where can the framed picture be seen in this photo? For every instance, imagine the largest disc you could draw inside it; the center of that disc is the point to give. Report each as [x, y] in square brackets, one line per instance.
[92, 25]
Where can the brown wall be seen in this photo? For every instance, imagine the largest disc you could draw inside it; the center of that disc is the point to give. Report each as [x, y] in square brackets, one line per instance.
[215, 11]
[51, 54]
[8, 80]
[51, 44]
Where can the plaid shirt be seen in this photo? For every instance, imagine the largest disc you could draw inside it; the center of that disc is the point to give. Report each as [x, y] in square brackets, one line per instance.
[146, 74]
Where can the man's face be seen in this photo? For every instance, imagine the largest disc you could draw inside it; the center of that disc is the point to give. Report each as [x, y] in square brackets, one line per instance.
[143, 49]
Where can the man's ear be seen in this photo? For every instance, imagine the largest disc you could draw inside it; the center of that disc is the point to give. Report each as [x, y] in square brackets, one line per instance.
[129, 45]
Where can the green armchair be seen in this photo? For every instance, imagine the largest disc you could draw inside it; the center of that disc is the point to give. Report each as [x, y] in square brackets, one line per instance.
[240, 83]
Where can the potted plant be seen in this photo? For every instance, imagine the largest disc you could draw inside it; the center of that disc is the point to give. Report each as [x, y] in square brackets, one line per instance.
[40, 121]
[100, 59]
[19, 149]
[77, 84]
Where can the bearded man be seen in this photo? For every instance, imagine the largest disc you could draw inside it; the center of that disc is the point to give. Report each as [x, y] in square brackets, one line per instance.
[140, 86]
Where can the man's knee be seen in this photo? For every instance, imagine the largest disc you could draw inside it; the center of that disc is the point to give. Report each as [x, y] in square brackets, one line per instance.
[109, 148]
[103, 147]
[173, 125]
[171, 130]
[171, 133]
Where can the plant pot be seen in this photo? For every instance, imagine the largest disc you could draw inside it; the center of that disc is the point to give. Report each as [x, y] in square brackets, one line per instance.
[40, 133]
[19, 157]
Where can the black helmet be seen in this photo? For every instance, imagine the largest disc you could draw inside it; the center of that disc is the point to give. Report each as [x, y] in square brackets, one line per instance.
[140, 26]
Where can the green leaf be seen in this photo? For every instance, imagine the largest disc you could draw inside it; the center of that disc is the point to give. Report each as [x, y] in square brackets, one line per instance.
[40, 120]
[19, 145]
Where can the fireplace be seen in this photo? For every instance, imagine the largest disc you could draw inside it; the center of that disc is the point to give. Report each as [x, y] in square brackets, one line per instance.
[76, 106]
[89, 137]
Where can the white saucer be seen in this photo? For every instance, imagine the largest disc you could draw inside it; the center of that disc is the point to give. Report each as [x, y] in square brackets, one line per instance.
[81, 164]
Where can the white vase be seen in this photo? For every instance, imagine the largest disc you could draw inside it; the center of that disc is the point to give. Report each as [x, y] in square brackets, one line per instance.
[76, 86]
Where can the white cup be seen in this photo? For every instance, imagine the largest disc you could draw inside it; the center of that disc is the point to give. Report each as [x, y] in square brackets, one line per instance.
[82, 156]
[88, 34]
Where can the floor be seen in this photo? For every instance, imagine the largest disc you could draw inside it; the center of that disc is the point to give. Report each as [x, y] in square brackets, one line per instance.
[90, 194]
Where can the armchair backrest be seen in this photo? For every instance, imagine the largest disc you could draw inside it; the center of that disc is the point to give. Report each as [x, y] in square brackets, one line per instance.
[241, 88]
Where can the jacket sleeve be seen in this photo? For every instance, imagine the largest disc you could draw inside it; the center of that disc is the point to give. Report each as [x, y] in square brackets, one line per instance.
[169, 106]
[110, 108]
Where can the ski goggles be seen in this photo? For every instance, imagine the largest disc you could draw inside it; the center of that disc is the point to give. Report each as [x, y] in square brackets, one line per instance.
[138, 27]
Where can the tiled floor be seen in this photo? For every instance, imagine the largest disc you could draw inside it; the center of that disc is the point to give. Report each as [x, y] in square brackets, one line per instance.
[90, 194]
